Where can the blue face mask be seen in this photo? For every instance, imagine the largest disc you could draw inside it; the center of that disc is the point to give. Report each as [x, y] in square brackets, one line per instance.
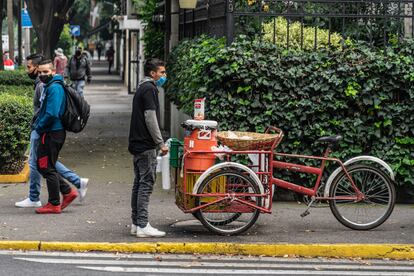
[161, 81]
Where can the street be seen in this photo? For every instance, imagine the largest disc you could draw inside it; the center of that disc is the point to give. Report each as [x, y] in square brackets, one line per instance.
[100, 153]
[48, 263]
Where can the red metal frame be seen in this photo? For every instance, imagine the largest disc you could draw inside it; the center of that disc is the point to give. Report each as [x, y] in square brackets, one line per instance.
[267, 178]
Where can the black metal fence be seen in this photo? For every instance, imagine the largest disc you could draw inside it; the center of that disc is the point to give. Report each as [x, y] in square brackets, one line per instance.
[375, 21]
[208, 18]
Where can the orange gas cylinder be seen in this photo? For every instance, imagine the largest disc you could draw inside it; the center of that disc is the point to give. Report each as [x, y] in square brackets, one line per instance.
[200, 136]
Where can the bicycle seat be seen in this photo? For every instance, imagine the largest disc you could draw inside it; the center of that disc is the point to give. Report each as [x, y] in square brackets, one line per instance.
[330, 139]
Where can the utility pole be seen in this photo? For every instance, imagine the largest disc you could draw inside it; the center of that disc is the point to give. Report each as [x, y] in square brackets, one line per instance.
[10, 25]
[19, 32]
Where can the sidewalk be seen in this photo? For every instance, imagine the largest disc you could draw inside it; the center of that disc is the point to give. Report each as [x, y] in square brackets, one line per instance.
[100, 153]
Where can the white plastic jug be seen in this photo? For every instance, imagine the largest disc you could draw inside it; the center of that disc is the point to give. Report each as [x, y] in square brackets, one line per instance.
[165, 171]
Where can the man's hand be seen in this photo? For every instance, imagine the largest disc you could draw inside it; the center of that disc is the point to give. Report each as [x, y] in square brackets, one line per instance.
[163, 150]
[88, 81]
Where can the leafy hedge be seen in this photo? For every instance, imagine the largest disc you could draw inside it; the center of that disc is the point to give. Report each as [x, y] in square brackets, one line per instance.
[15, 116]
[26, 91]
[363, 93]
[16, 77]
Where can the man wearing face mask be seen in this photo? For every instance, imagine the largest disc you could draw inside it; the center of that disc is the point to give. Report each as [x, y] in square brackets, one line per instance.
[52, 137]
[33, 200]
[78, 69]
[145, 140]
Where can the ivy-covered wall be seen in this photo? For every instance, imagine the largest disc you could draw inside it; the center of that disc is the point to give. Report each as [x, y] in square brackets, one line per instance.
[362, 93]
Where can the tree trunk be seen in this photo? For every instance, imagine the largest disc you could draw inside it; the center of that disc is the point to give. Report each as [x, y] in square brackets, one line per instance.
[48, 18]
[1, 27]
[10, 25]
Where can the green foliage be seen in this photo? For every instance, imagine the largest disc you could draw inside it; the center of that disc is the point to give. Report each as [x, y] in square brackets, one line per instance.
[295, 35]
[362, 93]
[65, 41]
[15, 117]
[15, 77]
[26, 91]
[154, 33]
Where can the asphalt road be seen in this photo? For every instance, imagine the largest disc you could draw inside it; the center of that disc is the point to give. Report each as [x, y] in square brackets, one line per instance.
[51, 263]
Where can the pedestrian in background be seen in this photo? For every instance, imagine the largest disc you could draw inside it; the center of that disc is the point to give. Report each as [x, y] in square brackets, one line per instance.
[110, 57]
[145, 140]
[79, 70]
[52, 137]
[8, 62]
[99, 48]
[33, 199]
[60, 61]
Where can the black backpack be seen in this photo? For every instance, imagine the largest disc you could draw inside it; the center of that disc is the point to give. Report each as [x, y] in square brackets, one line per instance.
[77, 110]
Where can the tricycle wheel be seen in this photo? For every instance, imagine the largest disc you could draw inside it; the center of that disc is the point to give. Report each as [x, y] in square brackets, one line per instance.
[229, 199]
[369, 212]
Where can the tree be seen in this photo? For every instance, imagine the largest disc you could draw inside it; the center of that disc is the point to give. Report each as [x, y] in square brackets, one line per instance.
[10, 24]
[48, 18]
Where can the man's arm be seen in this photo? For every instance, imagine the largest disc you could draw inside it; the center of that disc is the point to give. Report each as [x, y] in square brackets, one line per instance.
[153, 128]
[88, 71]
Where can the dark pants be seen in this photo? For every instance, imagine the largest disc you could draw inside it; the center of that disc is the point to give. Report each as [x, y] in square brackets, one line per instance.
[48, 150]
[145, 165]
[110, 62]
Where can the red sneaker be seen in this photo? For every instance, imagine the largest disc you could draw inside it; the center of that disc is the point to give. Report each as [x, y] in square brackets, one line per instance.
[49, 209]
[68, 198]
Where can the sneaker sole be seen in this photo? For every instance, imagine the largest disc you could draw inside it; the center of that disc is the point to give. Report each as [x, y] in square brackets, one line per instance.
[149, 236]
[34, 206]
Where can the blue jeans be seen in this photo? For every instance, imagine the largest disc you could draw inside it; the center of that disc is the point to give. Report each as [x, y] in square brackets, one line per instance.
[79, 85]
[35, 177]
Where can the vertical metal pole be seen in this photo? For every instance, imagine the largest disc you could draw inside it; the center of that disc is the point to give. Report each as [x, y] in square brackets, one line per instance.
[229, 21]
[412, 18]
[208, 16]
[19, 32]
[184, 22]
[193, 25]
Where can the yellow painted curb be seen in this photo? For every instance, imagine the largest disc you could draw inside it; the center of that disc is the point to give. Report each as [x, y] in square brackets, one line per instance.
[16, 178]
[366, 251]
[19, 245]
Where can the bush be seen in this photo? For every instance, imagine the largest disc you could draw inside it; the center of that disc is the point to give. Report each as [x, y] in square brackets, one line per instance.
[16, 77]
[26, 91]
[15, 117]
[295, 35]
[363, 93]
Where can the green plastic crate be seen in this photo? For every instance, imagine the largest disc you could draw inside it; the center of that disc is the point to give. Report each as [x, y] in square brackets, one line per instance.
[176, 152]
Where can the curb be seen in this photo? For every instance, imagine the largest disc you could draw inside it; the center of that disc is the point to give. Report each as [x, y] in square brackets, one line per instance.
[16, 178]
[366, 251]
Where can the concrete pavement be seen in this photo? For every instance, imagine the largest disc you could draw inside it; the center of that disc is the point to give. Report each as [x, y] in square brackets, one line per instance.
[100, 153]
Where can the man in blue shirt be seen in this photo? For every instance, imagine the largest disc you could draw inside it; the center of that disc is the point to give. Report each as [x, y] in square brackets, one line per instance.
[33, 200]
[52, 137]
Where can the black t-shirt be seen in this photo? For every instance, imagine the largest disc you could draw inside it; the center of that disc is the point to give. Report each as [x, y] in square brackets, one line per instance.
[146, 98]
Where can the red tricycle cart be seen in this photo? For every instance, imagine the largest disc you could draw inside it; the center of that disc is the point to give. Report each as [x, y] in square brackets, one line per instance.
[227, 188]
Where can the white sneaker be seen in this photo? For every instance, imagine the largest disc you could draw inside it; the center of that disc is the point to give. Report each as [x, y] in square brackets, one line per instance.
[83, 188]
[149, 231]
[27, 203]
[133, 230]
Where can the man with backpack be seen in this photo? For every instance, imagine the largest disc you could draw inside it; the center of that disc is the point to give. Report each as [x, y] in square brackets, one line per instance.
[52, 137]
[78, 69]
[33, 200]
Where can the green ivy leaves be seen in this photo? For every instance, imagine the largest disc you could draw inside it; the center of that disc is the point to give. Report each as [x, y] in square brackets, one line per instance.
[363, 93]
